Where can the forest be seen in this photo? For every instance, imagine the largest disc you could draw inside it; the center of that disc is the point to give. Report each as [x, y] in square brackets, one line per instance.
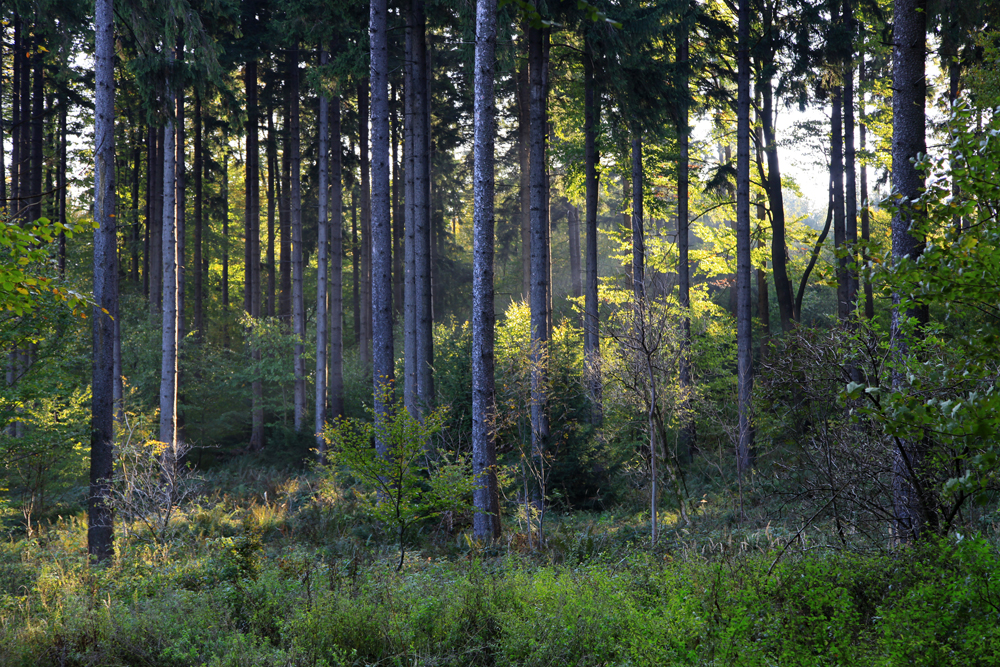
[530, 332]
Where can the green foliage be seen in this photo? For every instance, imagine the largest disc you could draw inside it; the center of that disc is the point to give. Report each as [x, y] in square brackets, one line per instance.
[410, 485]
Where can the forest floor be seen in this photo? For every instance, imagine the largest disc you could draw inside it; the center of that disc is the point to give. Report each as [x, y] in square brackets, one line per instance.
[277, 568]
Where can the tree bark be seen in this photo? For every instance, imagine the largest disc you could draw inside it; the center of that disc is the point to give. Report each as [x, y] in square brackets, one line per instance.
[322, 341]
[539, 253]
[364, 347]
[914, 514]
[524, 156]
[591, 322]
[686, 381]
[383, 354]
[168, 367]
[837, 177]
[285, 230]
[421, 211]
[638, 235]
[100, 517]
[336, 265]
[61, 185]
[410, 391]
[397, 213]
[156, 228]
[486, 520]
[573, 232]
[199, 168]
[37, 124]
[179, 200]
[850, 167]
[272, 168]
[865, 209]
[295, 219]
[744, 331]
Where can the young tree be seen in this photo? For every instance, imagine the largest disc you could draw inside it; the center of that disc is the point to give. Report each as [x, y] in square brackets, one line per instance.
[100, 519]
[486, 521]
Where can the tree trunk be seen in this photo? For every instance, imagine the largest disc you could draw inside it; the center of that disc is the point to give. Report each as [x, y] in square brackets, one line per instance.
[150, 188]
[421, 212]
[37, 118]
[686, 381]
[168, 368]
[100, 517]
[410, 391]
[744, 331]
[775, 197]
[199, 168]
[284, 231]
[251, 269]
[180, 202]
[364, 347]
[63, 144]
[156, 228]
[573, 232]
[850, 161]
[61, 185]
[356, 266]
[17, 127]
[912, 497]
[397, 213]
[272, 168]
[383, 354]
[225, 232]
[322, 341]
[539, 254]
[638, 240]
[865, 209]
[837, 177]
[295, 215]
[591, 322]
[486, 520]
[336, 265]
[524, 156]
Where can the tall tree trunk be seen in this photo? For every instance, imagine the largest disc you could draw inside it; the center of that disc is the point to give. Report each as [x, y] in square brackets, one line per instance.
[136, 174]
[336, 265]
[199, 168]
[410, 392]
[539, 253]
[322, 342]
[251, 270]
[295, 215]
[16, 126]
[850, 162]
[356, 266]
[383, 354]
[638, 240]
[591, 323]
[573, 232]
[100, 516]
[865, 209]
[272, 168]
[364, 348]
[3, 153]
[686, 381]
[156, 228]
[168, 368]
[285, 230]
[775, 197]
[37, 124]
[63, 144]
[180, 201]
[744, 331]
[150, 189]
[421, 211]
[397, 213]
[225, 245]
[837, 177]
[524, 155]
[912, 497]
[486, 520]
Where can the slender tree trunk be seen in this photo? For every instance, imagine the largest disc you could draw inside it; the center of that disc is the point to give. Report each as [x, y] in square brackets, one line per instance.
[272, 168]
[156, 228]
[397, 213]
[744, 331]
[837, 176]
[180, 202]
[3, 153]
[850, 164]
[168, 368]
[591, 326]
[199, 168]
[295, 215]
[225, 246]
[322, 341]
[383, 354]
[421, 211]
[37, 117]
[524, 155]
[486, 521]
[686, 381]
[336, 265]
[912, 497]
[61, 184]
[364, 348]
[17, 126]
[63, 143]
[150, 188]
[410, 392]
[251, 270]
[356, 266]
[285, 230]
[638, 234]
[865, 209]
[539, 253]
[573, 232]
[779, 250]
[100, 516]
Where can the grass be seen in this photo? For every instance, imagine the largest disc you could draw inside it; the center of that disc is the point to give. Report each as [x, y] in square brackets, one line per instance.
[274, 568]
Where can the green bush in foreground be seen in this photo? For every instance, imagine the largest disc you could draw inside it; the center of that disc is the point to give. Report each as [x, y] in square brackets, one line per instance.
[234, 600]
